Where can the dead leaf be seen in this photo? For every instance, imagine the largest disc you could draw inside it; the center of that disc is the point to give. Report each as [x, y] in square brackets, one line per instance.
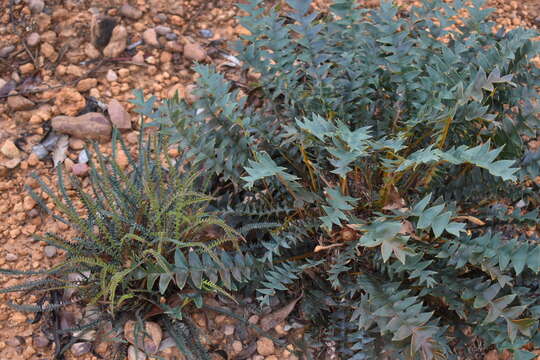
[394, 200]
[60, 150]
[322, 247]
[271, 320]
[471, 219]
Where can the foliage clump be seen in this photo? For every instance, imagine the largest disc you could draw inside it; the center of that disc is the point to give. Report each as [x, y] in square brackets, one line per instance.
[378, 157]
[143, 235]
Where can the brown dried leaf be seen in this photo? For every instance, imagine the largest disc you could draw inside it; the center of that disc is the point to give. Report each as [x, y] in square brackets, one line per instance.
[323, 247]
[471, 219]
[274, 318]
[394, 200]
[60, 150]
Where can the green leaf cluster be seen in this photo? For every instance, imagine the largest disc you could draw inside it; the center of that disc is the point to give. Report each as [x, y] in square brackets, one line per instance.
[400, 127]
[142, 235]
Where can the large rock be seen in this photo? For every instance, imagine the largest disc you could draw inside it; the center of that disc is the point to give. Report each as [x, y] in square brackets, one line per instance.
[93, 126]
[18, 103]
[101, 30]
[118, 42]
[118, 115]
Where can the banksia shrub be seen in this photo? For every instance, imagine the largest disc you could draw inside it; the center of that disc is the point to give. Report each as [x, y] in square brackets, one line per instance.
[380, 157]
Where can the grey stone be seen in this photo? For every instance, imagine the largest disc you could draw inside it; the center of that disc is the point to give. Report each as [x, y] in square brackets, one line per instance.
[50, 251]
[131, 12]
[11, 257]
[36, 6]
[81, 348]
[162, 29]
[6, 50]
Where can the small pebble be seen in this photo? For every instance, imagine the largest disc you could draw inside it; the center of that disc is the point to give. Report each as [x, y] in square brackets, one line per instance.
[194, 51]
[81, 348]
[28, 203]
[33, 159]
[86, 84]
[11, 257]
[265, 346]
[206, 33]
[228, 330]
[6, 50]
[117, 43]
[40, 341]
[14, 341]
[27, 68]
[76, 144]
[33, 39]
[161, 17]
[135, 354]
[131, 12]
[36, 6]
[80, 170]
[138, 58]
[150, 37]
[171, 36]
[50, 251]
[237, 346]
[111, 76]
[10, 150]
[162, 29]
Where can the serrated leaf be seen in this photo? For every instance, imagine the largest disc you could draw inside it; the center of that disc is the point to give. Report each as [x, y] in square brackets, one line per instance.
[421, 205]
[164, 280]
[525, 325]
[519, 258]
[428, 216]
[151, 280]
[533, 261]
[524, 355]
[440, 223]
[317, 126]
[196, 269]
[265, 167]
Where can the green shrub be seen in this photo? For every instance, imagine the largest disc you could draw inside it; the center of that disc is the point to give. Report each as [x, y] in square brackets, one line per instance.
[374, 154]
[143, 235]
